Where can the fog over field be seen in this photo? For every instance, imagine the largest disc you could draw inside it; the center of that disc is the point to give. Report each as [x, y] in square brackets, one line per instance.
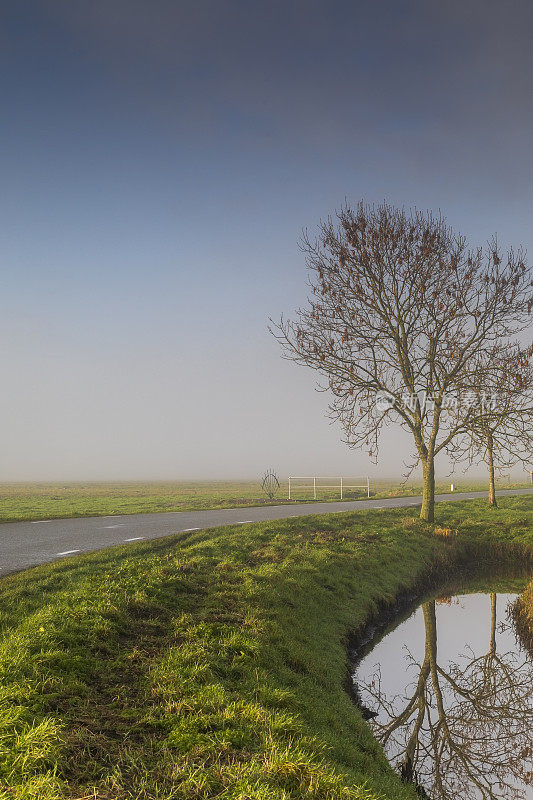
[159, 162]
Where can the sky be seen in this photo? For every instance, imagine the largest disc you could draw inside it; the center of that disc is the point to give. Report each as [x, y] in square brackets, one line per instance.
[159, 160]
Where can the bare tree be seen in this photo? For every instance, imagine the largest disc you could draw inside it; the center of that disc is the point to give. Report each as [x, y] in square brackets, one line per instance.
[501, 422]
[399, 310]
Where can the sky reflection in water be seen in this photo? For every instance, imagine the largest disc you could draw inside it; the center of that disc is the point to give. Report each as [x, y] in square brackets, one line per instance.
[453, 692]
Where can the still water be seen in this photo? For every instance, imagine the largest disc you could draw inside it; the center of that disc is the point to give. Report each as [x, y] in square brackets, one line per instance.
[449, 693]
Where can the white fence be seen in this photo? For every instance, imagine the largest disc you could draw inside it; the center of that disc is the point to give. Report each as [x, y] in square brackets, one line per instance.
[340, 484]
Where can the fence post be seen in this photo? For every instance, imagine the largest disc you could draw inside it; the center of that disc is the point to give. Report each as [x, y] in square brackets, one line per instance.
[367, 486]
[289, 488]
[341, 488]
[314, 488]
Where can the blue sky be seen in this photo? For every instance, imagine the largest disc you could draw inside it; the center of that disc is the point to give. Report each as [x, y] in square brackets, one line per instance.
[159, 161]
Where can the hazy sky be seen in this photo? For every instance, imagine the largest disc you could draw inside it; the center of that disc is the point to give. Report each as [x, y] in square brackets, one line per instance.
[158, 162]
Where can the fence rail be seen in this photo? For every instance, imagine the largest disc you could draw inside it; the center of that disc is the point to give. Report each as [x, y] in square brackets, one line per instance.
[341, 484]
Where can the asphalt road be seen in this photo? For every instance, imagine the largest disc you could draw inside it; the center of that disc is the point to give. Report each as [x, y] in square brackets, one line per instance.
[26, 544]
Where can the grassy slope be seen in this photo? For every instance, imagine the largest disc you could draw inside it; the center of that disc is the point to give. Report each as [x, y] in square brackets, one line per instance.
[212, 664]
[50, 501]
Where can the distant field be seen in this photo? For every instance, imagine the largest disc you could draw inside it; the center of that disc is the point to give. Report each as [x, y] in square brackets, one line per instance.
[54, 500]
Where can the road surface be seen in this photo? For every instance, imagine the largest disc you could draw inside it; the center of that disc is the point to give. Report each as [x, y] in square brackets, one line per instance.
[26, 544]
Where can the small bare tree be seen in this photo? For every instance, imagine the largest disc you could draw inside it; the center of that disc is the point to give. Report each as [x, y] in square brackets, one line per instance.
[501, 423]
[400, 309]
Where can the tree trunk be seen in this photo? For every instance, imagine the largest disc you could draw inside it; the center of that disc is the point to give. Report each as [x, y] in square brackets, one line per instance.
[490, 464]
[492, 623]
[408, 764]
[427, 512]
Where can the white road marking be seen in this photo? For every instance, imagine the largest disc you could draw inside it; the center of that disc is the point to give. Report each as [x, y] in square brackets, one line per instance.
[134, 539]
[244, 522]
[68, 552]
[39, 521]
[122, 525]
[378, 508]
[186, 530]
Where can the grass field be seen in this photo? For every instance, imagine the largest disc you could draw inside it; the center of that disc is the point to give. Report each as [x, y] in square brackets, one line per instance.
[212, 664]
[51, 501]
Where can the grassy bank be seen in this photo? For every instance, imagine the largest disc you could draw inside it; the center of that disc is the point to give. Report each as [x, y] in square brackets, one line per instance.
[212, 664]
[52, 501]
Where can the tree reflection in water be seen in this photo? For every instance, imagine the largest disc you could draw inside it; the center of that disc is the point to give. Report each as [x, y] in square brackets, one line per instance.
[464, 731]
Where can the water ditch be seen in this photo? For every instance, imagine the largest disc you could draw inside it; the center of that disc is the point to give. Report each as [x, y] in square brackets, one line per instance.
[447, 687]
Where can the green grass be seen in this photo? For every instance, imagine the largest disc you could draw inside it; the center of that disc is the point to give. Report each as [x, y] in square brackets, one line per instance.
[52, 501]
[212, 664]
